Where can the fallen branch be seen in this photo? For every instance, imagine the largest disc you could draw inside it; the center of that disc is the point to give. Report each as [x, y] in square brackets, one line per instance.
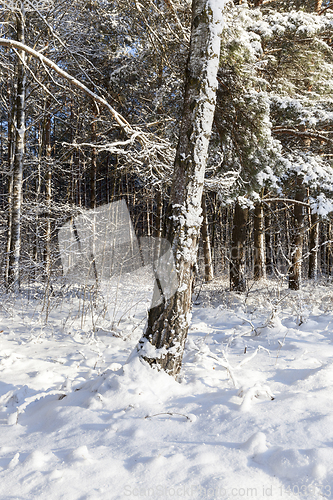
[168, 413]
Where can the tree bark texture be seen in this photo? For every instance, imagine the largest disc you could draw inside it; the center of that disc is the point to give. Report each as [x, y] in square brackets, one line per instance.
[11, 154]
[48, 193]
[237, 251]
[295, 272]
[329, 250]
[259, 243]
[163, 342]
[15, 246]
[93, 166]
[313, 246]
[206, 243]
[269, 240]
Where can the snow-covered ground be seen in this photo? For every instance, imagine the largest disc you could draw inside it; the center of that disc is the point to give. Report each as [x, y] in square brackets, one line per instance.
[251, 415]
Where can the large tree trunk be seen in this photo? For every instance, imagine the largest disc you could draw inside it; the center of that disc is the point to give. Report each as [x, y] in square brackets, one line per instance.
[259, 243]
[237, 256]
[15, 245]
[163, 342]
[295, 272]
[206, 242]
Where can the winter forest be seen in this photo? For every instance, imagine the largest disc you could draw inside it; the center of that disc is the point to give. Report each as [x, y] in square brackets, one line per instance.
[166, 236]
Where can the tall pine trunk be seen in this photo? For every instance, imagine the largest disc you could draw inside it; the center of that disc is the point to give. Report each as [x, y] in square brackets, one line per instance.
[168, 322]
[313, 246]
[295, 272]
[206, 242]
[269, 263]
[259, 243]
[318, 6]
[237, 256]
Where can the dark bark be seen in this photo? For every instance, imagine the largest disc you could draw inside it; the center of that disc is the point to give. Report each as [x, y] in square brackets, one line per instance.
[269, 263]
[206, 242]
[93, 166]
[159, 214]
[313, 246]
[237, 253]
[329, 258]
[259, 243]
[295, 272]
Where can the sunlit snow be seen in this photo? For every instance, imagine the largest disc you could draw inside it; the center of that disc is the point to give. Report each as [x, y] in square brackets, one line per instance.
[250, 416]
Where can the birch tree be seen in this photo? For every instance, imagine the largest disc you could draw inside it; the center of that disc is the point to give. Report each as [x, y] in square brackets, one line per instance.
[17, 175]
[164, 338]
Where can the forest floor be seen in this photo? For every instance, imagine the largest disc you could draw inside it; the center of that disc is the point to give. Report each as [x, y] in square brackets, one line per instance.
[251, 415]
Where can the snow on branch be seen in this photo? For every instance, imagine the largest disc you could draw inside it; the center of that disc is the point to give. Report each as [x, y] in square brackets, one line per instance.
[155, 155]
[285, 200]
[4, 42]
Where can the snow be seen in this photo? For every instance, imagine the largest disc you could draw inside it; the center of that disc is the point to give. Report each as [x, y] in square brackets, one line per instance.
[250, 416]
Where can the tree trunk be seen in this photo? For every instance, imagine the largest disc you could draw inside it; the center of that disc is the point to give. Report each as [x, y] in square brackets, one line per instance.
[313, 246]
[11, 154]
[93, 165]
[237, 255]
[159, 214]
[259, 243]
[48, 193]
[269, 264]
[15, 245]
[206, 242]
[168, 323]
[295, 272]
[329, 250]
[318, 6]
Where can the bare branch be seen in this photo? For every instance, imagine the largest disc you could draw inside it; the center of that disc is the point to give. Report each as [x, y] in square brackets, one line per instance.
[330, 6]
[4, 42]
[291, 131]
[285, 200]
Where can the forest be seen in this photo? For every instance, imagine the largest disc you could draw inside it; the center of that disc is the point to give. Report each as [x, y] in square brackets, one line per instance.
[92, 101]
[166, 249]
